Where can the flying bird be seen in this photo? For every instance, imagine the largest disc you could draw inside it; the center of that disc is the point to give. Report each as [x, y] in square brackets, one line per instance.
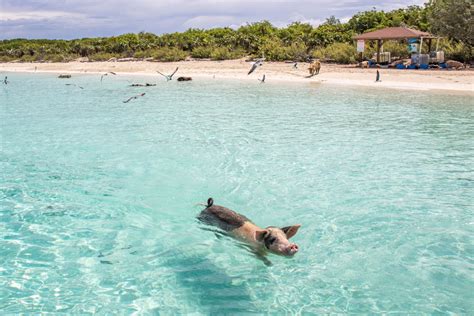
[135, 97]
[256, 64]
[72, 84]
[168, 77]
[106, 74]
[263, 79]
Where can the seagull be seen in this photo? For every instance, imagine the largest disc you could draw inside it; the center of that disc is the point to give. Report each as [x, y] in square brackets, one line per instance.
[5, 81]
[135, 97]
[168, 77]
[263, 79]
[257, 63]
[72, 84]
[106, 74]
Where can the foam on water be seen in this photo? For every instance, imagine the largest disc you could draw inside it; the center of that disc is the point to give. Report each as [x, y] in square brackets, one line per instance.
[97, 197]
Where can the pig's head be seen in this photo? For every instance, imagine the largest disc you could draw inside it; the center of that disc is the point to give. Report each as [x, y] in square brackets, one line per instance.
[275, 239]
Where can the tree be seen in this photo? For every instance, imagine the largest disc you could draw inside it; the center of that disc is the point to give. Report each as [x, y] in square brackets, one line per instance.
[452, 18]
[332, 20]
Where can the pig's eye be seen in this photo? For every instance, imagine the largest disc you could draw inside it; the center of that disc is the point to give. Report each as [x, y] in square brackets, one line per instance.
[271, 240]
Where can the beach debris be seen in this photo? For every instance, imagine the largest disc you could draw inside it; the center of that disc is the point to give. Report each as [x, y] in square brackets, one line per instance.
[134, 97]
[261, 240]
[377, 76]
[64, 76]
[184, 79]
[314, 68]
[127, 59]
[263, 79]
[106, 74]
[82, 60]
[5, 81]
[169, 77]
[143, 85]
[454, 64]
[75, 85]
[256, 64]
[394, 64]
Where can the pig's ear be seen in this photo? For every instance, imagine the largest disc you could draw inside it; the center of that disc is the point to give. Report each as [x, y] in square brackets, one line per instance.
[260, 234]
[290, 231]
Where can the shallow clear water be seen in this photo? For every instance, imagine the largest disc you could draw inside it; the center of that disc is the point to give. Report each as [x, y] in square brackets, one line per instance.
[98, 197]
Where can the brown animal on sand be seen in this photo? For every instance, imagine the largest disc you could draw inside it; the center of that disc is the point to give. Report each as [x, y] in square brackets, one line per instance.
[455, 64]
[314, 68]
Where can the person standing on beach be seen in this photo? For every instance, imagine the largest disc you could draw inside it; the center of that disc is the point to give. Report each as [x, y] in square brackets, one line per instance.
[5, 81]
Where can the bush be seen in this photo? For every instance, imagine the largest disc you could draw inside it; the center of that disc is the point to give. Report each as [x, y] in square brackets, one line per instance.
[273, 50]
[457, 51]
[223, 53]
[169, 54]
[142, 54]
[102, 56]
[202, 52]
[338, 52]
[55, 58]
[5, 59]
[297, 52]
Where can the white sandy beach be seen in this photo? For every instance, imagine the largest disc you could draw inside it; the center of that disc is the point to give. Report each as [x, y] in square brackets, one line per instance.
[442, 80]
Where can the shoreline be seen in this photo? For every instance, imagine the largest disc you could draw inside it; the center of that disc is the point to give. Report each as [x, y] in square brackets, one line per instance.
[458, 81]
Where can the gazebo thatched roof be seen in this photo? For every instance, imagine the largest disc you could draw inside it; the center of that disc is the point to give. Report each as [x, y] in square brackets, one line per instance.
[391, 33]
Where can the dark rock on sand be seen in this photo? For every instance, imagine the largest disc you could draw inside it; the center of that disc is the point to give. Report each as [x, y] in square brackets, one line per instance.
[185, 79]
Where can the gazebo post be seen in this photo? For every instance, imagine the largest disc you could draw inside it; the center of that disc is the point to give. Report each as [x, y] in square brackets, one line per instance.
[378, 50]
[429, 45]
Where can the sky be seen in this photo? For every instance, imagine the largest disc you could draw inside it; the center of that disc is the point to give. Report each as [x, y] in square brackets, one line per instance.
[68, 19]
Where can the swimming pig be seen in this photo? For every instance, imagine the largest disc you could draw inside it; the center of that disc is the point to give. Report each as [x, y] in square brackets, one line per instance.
[261, 240]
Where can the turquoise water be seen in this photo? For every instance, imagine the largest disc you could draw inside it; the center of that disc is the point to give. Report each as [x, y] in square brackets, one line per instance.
[97, 197]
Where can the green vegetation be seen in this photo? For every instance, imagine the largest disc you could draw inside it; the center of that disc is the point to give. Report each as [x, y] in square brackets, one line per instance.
[330, 41]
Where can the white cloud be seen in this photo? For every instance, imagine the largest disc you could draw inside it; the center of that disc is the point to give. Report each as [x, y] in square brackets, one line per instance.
[38, 15]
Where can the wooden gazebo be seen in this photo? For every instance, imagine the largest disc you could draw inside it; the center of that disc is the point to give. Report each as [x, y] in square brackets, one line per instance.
[395, 33]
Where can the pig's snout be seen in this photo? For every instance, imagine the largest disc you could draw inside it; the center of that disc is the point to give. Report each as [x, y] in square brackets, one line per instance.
[292, 249]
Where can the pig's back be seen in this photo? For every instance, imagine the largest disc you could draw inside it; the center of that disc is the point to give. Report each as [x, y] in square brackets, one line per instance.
[222, 217]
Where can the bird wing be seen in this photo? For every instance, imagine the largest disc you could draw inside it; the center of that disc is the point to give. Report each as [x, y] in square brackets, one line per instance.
[113, 73]
[263, 79]
[174, 72]
[162, 74]
[254, 66]
[129, 99]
